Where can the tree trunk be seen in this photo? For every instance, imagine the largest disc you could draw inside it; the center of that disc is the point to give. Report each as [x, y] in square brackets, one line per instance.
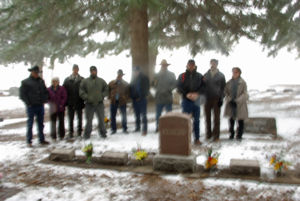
[153, 52]
[139, 37]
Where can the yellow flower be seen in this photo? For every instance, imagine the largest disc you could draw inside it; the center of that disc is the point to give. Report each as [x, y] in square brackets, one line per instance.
[140, 155]
[210, 162]
[214, 161]
[272, 160]
[277, 166]
[88, 148]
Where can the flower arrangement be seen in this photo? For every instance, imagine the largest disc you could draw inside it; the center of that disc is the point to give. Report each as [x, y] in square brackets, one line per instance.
[212, 159]
[140, 154]
[279, 163]
[106, 122]
[88, 151]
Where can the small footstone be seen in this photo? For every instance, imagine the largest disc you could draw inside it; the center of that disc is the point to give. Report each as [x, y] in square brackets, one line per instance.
[62, 155]
[245, 167]
[114, 158]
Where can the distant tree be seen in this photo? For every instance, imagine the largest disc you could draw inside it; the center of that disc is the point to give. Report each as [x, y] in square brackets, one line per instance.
[33, 31]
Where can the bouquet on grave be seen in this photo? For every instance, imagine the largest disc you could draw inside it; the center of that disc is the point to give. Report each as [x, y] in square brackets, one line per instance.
[106, 122]
[279, 163]
[212, 159]
[88, 151]
[140, 154]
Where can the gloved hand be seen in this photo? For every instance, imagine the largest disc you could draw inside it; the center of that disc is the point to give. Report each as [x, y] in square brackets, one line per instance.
[233, 103]
[220, 102]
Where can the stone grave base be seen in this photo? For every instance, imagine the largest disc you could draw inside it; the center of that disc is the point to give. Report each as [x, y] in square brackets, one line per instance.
[290, 177]
[174, 163]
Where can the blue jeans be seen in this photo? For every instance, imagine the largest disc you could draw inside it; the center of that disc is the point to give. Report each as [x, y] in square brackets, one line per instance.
[39, 112]
[140, 108]
[159, 109]
[113, 113]
[190, 107]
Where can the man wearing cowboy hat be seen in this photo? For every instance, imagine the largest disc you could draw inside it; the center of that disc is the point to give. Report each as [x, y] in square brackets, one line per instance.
[164, 83]
[34, 94]
[118, 95]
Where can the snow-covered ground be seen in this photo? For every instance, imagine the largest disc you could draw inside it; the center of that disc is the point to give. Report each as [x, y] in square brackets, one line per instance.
[21, 168]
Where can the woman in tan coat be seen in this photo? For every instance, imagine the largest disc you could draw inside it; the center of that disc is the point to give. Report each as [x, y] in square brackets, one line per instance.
[236, 97]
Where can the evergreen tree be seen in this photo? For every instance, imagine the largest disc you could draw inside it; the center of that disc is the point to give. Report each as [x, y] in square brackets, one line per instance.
[32, 31]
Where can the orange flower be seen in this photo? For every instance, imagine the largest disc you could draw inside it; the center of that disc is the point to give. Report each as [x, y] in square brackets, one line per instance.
[106, 120]
[277, 166]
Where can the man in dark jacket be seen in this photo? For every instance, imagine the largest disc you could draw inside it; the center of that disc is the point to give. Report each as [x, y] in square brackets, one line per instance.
[93, 91]
[214, 87]
[190, 85]
[75, 103]
[34, 94]
[118, 95]
[139, 89]
[164, 83]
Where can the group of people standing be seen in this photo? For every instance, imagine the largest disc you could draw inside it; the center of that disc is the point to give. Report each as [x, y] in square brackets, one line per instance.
[212, 85]
[78, 93]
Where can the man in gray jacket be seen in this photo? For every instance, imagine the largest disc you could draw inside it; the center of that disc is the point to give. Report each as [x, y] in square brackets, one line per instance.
[214, 87]
[164, 83]
[93, 90]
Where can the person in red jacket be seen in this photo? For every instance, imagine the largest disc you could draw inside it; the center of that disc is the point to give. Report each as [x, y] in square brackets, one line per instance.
[57, 102]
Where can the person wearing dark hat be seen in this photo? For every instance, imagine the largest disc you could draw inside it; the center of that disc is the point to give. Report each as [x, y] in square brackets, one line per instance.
[118, 95]
[74, 102]
[214, 91]
[93, 90]
[139, 90]
[164, 83]
[190, 85]
[34, 94]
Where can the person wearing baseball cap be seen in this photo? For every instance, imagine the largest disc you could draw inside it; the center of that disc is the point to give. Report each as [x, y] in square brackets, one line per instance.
[34, 94]
[190, 85]
[118, 95]
[93, 90]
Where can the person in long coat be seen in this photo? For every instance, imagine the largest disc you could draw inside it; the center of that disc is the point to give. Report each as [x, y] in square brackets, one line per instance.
[236, 97]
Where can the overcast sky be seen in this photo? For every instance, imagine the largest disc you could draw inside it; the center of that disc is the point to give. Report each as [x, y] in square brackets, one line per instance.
[258, 70]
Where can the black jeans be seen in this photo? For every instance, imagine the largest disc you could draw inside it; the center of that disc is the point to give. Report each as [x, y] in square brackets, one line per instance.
[71, 115]
[61, 124]
[240, 129]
